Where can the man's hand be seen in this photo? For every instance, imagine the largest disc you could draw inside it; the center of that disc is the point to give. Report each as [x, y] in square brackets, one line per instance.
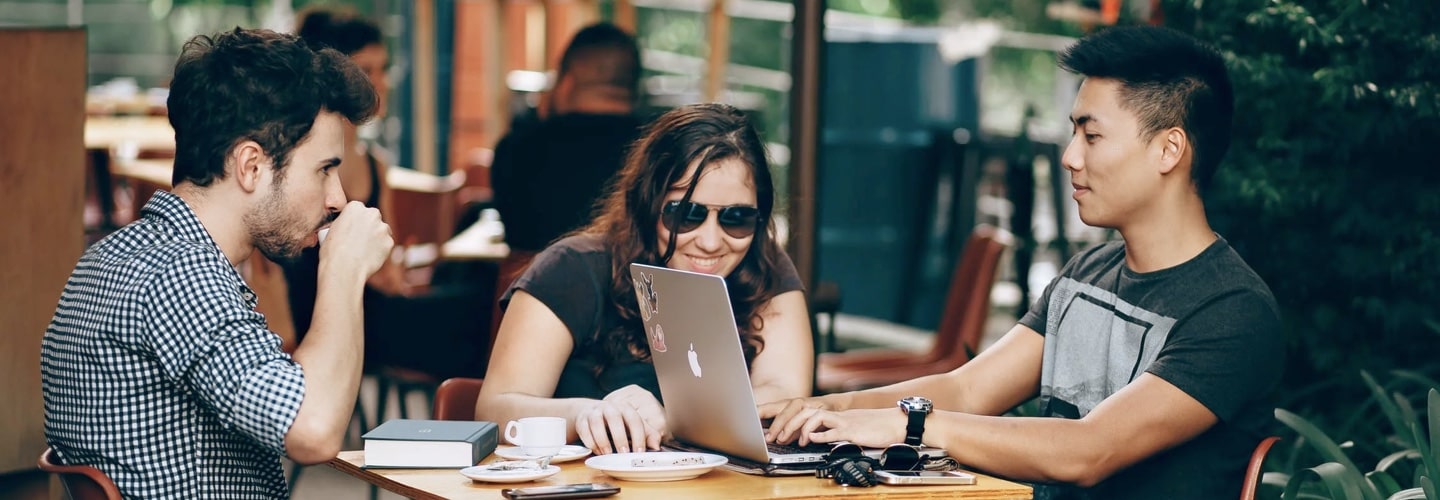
[787, 416]
[358, 239]
[630, 417]
[869, 428]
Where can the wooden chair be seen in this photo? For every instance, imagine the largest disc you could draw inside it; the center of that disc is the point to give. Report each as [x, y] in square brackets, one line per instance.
[422, 213]
[82, 482]
[967, 306]
[1252, 471]
[455, 399]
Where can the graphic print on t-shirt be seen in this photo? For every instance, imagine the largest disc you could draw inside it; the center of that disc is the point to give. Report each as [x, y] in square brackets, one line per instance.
[1095, 344]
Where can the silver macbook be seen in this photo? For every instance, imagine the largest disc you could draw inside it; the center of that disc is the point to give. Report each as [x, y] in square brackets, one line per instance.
[701, 368]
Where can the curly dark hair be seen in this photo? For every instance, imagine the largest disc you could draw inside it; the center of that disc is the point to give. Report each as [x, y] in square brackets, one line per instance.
[627, 220]
[258, 85]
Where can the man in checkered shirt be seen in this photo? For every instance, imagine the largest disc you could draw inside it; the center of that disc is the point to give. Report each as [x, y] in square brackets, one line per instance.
[156, 367]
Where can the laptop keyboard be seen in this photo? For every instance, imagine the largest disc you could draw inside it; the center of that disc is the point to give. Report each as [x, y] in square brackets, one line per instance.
[790, 449]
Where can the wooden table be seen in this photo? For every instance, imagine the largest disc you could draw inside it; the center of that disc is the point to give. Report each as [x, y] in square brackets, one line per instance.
[717, 484]
[140, 132]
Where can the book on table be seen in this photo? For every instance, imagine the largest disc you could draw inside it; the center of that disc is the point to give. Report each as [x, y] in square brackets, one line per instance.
[410, 443]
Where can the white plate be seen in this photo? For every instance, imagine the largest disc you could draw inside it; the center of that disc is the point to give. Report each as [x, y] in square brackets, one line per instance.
[480, 473]
[655, 465]
[568, 453]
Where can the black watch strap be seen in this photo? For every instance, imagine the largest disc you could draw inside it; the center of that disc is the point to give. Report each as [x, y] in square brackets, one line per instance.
[915, 427]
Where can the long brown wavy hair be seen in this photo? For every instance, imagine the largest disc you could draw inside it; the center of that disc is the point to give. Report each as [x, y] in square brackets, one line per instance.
[628, 217]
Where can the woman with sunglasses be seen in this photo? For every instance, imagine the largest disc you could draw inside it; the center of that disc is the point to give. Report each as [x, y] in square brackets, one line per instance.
[695, 194]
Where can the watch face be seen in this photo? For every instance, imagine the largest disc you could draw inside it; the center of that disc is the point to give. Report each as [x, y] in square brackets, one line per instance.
[916, 403]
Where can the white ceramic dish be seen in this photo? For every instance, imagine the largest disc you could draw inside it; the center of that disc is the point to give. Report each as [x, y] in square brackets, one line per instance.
[482, 473]
[655, 465]
[568, 453]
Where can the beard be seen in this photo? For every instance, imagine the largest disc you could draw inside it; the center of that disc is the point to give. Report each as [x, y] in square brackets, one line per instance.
[276, 229]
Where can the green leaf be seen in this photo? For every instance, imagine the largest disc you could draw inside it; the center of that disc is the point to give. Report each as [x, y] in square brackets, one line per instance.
[1432, 463]
[1385, 463]
[1419, 378]
[1410, 494]
[1429, 487]
[1329, 451]
[1383, 482]
[1338, 480]
[1397, 421]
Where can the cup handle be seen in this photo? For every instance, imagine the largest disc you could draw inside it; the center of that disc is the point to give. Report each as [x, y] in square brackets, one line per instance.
[512, 432]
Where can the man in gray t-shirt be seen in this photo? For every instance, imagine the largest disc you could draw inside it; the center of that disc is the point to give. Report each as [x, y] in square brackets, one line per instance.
[1152, 357]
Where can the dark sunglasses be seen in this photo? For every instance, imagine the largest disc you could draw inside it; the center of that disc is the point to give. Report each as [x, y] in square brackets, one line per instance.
[738, 221]
[896, 457]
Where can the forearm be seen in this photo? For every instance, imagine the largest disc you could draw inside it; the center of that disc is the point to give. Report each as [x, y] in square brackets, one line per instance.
[936, 387]
[1027, 449]
[766, 392]
[331, 356]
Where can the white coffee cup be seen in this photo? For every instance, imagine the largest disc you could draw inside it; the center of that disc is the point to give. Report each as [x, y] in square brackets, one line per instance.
[537, 436]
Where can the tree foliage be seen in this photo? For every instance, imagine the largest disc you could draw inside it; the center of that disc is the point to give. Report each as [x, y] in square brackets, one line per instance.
[1331, 189]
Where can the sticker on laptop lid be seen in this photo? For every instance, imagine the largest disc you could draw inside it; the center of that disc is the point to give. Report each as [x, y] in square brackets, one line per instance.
[657, 339]
[646, 298]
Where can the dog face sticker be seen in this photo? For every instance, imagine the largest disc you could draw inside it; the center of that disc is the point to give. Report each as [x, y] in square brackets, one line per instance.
[646, 297]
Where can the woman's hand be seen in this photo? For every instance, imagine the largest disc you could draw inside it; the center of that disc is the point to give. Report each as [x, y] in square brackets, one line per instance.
[630, 418]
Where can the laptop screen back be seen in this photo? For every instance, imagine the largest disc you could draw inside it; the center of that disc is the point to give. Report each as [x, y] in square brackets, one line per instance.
[699, 361]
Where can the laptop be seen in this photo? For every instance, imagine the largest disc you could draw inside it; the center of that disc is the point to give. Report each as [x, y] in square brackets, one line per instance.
[704, 381]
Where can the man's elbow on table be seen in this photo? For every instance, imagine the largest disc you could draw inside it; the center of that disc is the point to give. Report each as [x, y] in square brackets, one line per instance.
[309, 444]
[1083, 468]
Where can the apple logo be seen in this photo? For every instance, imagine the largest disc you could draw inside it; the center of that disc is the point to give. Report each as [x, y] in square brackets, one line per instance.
[694, 361]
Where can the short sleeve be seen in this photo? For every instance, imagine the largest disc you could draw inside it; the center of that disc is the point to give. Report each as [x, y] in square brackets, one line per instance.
[206, 338]
[571, 281]
[1227, 354]
[787, 278]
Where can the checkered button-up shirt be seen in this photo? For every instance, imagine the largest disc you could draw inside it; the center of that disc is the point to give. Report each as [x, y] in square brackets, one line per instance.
[158, 371]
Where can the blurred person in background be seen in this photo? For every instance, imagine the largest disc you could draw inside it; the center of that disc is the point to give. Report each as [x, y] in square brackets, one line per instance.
[438, 330]
[548, 177]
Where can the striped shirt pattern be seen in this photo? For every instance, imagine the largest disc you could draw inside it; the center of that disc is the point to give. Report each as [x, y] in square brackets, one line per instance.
[158, 370]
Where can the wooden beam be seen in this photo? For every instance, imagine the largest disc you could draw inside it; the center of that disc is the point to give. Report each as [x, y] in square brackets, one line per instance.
[479, 105]
[42, 180]
[624, 16]
[808, 55]
[719, 34]
[424, 87]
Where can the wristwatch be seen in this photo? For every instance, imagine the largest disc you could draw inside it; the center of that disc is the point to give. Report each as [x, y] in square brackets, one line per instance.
[917, 408]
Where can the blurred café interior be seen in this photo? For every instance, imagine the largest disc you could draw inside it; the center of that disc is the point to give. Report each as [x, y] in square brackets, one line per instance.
[915, 146]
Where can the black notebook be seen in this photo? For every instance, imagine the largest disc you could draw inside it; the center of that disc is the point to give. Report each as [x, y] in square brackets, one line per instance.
[433, 444]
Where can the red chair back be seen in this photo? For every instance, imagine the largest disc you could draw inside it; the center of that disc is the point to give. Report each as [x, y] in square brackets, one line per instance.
[1252, 471]
[82, 482]
[455, 399]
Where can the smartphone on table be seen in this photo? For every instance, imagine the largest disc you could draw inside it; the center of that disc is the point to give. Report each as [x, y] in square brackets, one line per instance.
[580, 490]
[921, 477]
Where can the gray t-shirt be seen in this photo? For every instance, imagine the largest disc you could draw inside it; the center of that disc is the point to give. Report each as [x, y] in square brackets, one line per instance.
[572, 278]
[1208, 326]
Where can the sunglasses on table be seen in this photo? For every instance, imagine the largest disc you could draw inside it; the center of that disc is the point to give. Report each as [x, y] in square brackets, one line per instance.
[896, 457]
[738, 221]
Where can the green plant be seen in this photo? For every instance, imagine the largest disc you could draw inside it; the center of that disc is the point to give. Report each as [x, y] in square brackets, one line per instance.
[1412, 459]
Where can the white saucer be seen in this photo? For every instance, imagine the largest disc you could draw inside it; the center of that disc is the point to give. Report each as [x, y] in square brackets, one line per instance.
[480, 473]
[655, 465]
[568, 453]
